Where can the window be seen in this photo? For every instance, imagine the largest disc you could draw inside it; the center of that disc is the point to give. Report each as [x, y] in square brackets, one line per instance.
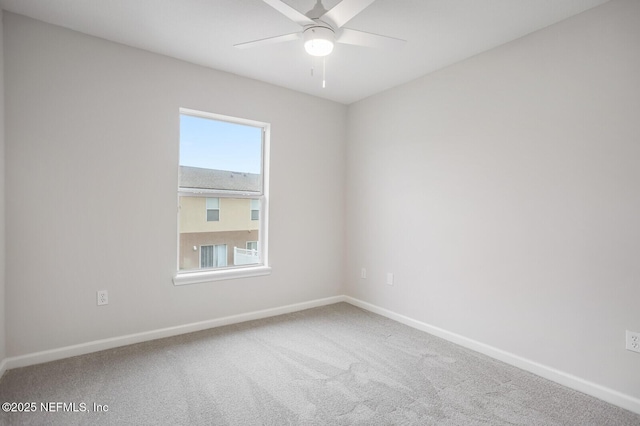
[213, 209]
[255, 209]
[222, 198]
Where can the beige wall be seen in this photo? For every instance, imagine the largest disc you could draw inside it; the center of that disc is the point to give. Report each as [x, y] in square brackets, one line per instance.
[92, 133]
[235, 215]
[2, 199]
[503, 193]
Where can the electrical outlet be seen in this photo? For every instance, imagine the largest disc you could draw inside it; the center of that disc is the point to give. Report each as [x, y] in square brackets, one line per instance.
[103, 297]
[363, 273]
[389, 278]
[633, 341]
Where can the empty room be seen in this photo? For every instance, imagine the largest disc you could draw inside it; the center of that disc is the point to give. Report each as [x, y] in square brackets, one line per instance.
[304, 212]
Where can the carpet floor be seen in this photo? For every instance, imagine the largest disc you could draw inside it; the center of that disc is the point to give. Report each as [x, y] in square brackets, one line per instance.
[333, 365]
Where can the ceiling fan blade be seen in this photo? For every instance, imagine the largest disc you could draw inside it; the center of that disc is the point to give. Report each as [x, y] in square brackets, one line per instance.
[270, 40]
[344, 11]
[290, 12]
[361, 38]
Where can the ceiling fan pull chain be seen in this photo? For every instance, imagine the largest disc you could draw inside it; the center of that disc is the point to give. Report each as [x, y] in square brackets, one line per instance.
[324, 72]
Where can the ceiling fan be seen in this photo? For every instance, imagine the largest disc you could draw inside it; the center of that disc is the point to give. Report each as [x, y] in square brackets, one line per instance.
[321, 28]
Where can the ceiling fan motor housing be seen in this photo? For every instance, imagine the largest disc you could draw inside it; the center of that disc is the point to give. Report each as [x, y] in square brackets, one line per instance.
[318, 40]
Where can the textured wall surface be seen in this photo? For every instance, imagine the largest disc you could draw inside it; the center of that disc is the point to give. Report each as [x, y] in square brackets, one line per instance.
[502, 192]
[2, 200]
[92, 169]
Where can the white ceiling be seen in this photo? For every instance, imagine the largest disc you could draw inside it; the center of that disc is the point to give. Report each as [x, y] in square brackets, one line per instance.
[438, 33]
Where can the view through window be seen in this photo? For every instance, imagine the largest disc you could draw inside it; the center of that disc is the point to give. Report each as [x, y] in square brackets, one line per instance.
[221, 191]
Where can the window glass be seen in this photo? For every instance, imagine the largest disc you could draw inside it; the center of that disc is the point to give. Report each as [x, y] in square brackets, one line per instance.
[213, 209]
[221, 193]
[255, 209]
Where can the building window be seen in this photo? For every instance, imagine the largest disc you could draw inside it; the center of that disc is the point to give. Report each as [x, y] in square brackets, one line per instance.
[255, 209]
[223, 167]
[213, 209]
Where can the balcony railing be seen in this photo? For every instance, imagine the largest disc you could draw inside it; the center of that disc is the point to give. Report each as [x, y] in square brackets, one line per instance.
[245, 257]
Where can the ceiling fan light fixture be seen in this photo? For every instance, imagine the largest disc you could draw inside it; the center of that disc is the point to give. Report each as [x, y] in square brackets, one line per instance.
[318, 41]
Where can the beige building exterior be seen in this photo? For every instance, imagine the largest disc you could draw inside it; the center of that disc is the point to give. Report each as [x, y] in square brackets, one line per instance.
[234, 228]
[218, 231]
[235, 215]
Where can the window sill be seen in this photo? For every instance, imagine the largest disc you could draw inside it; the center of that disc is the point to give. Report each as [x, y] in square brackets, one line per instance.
[225, 274]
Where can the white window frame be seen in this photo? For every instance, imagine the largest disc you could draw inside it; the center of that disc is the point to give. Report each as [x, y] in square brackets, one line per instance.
[232, 272]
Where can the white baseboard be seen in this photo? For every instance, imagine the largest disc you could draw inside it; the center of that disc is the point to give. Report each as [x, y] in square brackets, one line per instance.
[3, 367]
[609, 395]
[114, 342]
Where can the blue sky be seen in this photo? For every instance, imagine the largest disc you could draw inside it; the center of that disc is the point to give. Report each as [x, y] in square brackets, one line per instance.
[213, 144]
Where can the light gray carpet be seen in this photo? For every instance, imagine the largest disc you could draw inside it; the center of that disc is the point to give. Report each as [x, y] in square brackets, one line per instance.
[335, 365]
